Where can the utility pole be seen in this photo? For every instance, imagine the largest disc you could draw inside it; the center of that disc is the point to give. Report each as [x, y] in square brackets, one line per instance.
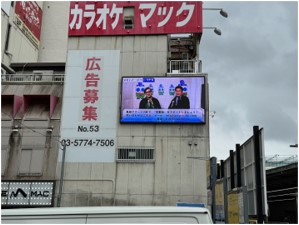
[61, 175]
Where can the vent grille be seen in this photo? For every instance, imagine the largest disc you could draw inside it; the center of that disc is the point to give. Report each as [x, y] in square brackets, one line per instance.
[135, 154]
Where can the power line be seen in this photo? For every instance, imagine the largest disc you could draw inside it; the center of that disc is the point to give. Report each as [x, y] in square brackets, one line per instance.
[23, 125]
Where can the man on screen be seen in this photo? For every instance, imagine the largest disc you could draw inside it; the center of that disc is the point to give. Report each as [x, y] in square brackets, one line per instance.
[149, 102]
[179, 101]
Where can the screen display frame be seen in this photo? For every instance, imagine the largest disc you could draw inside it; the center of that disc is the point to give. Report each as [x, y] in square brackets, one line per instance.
[202, 93]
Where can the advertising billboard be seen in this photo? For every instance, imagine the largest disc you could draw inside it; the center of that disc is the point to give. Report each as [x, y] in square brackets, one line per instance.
[28, 18]
[88, 123]
[134, 17]
[163, 100]
[27, 193]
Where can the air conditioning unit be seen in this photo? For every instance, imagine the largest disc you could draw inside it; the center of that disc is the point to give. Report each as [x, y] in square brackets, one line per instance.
[42, 75]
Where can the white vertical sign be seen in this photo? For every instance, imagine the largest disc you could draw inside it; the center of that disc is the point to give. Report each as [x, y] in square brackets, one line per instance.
[89, 111]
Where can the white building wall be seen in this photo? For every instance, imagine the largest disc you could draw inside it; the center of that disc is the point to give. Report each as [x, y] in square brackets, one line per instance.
[20, 48]
[53, 42]
[4, 26]
[172, 177]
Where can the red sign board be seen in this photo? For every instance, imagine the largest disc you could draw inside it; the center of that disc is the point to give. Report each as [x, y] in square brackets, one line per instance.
[31, 16]
[132, 17]
[91, 91]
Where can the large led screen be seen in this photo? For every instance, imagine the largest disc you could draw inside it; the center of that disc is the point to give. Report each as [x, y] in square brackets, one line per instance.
[163, 100]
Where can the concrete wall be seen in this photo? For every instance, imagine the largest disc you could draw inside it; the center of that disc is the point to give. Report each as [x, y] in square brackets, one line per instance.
[53, 43]
[172, 177]
[19, 46]
[32, 134]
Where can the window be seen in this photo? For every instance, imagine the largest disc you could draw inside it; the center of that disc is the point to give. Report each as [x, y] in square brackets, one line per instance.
[135, 155]
[128, 23]
[128, 17]
[31, 163]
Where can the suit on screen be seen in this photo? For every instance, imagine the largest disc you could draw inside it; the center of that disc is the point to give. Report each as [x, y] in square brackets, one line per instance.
[151, 103]
[179, 102]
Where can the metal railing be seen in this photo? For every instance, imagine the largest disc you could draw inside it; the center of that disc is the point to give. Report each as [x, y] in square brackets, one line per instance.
[280, 160]
[184, 66]
[32, 78]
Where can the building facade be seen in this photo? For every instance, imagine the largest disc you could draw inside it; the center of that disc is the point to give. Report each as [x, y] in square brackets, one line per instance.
[150, 163]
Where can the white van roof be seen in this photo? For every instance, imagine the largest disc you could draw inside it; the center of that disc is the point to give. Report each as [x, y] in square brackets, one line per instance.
[101, 210]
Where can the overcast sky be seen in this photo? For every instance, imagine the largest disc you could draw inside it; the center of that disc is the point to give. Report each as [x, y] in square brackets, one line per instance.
[253, 74]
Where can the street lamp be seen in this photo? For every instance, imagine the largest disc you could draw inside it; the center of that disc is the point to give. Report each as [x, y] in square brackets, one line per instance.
[221, 11]
[216, 30]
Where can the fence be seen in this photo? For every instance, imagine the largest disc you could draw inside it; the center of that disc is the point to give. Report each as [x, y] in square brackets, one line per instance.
[184, 66]
[32, 78]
